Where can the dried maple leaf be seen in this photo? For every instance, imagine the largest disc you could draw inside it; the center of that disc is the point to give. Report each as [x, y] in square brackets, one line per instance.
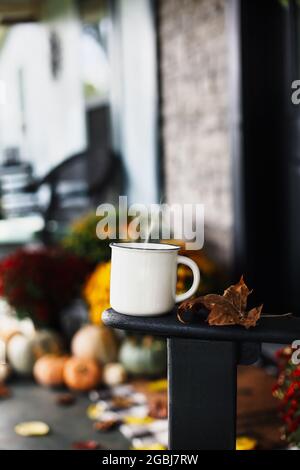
[222, 315]
[237, 295]
[252, 316]
[227, 309]
[189, 306]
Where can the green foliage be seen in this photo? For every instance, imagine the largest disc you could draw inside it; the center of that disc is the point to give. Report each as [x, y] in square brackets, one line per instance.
[82, 240]
[286, 3]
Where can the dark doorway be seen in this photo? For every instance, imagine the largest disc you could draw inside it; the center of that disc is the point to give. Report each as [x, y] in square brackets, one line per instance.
[266, 131]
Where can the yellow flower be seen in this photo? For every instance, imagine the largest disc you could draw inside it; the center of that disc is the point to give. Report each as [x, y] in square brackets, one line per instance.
[96, 292]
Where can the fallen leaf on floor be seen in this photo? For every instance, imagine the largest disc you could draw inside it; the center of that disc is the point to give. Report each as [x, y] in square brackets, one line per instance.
[137, 420]
[107, 425]
[227, 309]
[32, 428]
[149, 447]
[94, 410]
[65, 399]
[158, 406]
[245, 443]
[87, 445]
[121, 403]
[4, 391]
[158, 385]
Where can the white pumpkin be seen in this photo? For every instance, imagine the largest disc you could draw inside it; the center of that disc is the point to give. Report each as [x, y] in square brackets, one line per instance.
[94, 342]
[114, 374]
[23, 351]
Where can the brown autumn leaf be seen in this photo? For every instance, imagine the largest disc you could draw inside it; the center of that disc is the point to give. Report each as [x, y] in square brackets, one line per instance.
[222, 317]
[252, 316]
[121, 403]
[158, 405]
[65, 399]
[4, 391]
[187, 308]
[237, 295]
[106, 425]
[227, 309]
[87, 445]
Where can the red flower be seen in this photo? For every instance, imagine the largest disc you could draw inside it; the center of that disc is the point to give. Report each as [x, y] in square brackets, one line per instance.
[296, 373]
[40, 283]
[291, 390]
[294, 404]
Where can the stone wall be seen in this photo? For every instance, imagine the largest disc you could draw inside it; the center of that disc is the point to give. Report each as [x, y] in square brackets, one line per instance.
[195, 108]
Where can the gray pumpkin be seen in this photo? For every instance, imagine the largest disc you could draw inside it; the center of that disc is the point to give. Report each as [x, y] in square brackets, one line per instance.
[145, 356]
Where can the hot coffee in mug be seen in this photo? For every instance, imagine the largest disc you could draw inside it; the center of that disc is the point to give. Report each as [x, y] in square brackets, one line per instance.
[144, 276]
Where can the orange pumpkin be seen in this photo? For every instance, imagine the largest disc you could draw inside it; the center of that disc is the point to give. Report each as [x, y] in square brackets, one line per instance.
[82, 374]
[49, 370]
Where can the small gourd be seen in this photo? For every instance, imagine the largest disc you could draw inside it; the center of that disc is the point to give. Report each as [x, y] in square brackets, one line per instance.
[114, 374]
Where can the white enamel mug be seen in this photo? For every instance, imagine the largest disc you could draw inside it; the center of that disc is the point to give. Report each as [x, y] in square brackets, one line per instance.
[143, 278]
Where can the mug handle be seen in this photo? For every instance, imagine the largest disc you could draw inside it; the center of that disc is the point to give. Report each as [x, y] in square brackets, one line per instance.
[196, 281]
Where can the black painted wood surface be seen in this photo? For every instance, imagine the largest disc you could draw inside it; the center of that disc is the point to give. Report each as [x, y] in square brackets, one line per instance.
[268, 330]
[202, 394]
[202, 363]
